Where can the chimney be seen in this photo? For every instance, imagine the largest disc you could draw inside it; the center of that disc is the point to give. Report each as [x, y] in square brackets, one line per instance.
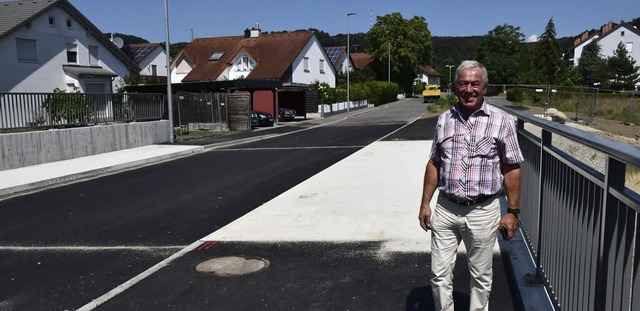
[253, 32]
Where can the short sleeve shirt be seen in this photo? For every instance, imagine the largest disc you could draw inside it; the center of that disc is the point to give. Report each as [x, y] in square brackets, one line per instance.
[471, 152]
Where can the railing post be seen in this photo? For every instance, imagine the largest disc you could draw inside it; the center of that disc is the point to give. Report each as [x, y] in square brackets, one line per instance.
[614, 176]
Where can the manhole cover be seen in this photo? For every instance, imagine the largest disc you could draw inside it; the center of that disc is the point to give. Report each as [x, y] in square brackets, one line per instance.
[229, 266]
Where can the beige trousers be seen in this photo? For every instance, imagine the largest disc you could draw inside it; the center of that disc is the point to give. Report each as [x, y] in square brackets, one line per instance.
[477, 227]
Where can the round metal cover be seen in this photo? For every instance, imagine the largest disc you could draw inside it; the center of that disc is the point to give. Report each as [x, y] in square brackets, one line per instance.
[230, 266]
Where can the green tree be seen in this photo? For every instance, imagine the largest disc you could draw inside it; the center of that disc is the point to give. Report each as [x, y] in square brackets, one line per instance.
[623, 70]
[591, 65]
[499, 52]
[447, 69]
[411, 46]
[527, 72]
[548, 57]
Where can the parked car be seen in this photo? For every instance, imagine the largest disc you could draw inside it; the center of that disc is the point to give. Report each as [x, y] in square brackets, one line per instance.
[259, 118]
[286, 114]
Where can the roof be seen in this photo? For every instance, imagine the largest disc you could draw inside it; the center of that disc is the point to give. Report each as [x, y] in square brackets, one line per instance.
[361, 60]
[140, 51]
[274, 54]
[88, 71]
[336, 53]
[625, 25]
[16, 14]
[429, 71]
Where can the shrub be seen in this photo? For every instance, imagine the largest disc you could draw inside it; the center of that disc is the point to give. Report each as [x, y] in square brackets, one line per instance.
[70, 108]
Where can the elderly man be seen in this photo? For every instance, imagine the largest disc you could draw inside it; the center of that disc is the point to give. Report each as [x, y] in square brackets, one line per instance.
[475, 155]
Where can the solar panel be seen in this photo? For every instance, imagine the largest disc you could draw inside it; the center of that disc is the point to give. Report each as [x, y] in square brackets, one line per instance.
[333, 53]
[140, 51]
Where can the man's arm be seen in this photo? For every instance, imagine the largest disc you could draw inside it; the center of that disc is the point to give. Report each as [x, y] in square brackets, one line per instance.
[428, 188]
[509, 221]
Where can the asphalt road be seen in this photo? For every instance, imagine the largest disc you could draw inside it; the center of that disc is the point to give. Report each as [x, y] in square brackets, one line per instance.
[64, 246]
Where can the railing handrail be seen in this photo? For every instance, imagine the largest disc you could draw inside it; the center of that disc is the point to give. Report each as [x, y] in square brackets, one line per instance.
[615, 149]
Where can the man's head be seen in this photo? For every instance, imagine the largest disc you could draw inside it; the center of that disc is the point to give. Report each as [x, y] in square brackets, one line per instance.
[471, 84]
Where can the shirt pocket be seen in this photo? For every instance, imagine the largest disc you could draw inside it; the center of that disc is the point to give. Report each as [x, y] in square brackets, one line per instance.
[486, 148]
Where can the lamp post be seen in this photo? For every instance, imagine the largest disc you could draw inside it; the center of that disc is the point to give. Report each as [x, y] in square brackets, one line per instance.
[169, 97]
[389, 64]
[348, 62]
[450, 82]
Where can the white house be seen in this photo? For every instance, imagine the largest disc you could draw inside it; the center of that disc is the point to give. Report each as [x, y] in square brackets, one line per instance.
[150, 57]
[608, 39]
[295, 58]
[428, 75]
[338, 56]
[49, 44]
[152, 60]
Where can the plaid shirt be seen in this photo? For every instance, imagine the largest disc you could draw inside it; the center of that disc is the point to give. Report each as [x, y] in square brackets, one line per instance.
[471, 152]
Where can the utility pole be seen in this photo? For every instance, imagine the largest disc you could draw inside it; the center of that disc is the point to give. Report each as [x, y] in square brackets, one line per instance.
[348, 63]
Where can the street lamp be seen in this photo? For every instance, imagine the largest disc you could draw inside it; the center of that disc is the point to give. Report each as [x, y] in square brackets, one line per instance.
[450, 82]
[169, 97]
[348, 62]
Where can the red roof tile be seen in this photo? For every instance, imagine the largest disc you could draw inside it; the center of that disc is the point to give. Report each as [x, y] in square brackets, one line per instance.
[361, 60]
[273, 53]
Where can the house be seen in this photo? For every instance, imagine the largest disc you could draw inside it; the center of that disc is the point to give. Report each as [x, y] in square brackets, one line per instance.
[608, 38]
[275, 68]
[361, 60]
[152, 60]
[428, 75]
[338, 56]
[48, 44]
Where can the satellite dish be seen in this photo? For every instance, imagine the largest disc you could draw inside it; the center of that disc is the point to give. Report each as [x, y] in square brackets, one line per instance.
[118, 41]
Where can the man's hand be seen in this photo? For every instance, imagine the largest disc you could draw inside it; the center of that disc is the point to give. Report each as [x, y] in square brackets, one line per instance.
[509, 222]
[425, 217]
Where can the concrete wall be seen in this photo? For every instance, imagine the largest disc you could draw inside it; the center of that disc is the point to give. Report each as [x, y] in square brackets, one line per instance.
[31, 148]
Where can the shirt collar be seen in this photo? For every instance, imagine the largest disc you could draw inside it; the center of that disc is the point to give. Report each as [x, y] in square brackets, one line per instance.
[484, 108]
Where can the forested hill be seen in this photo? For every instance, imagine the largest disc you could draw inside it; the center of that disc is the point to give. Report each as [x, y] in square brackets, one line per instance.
[456, 48]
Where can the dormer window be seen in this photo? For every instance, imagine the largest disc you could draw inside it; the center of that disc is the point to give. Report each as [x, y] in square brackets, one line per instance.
[216, 56]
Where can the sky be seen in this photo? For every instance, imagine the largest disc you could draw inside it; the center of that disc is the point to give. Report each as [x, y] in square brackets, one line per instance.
[215, 18]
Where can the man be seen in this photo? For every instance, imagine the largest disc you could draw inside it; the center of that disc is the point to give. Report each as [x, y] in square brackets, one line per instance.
[475, 155]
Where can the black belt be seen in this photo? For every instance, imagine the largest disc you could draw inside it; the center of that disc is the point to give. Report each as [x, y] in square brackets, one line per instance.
[480, 199]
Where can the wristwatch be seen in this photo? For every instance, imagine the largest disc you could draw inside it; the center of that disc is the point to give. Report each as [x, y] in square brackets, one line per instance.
[514, 211]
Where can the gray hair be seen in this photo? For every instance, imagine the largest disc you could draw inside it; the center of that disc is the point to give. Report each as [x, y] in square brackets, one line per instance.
[472, 64]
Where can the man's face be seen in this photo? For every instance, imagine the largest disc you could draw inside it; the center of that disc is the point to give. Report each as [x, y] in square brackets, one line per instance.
[470, 88]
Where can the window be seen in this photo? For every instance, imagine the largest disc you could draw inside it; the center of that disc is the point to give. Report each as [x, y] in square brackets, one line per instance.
[154, 70]
[622, 33]
[321, 65]
[94, 59]
[216, 56]
[69, 24]
[305, 64]
[26, 50]
[244, 65]
[52, 21]
[72, 53]
[629, 46]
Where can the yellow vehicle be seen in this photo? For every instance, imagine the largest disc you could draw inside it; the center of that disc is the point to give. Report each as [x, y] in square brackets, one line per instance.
[431, 93]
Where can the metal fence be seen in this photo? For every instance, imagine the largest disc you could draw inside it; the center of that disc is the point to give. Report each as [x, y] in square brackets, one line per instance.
[585, 103]
[50, 110]
[200, 111]
[581, 224]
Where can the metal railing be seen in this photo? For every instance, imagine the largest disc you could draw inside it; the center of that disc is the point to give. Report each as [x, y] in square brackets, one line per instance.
[581, 224]
[586, 103]
[49, 110]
